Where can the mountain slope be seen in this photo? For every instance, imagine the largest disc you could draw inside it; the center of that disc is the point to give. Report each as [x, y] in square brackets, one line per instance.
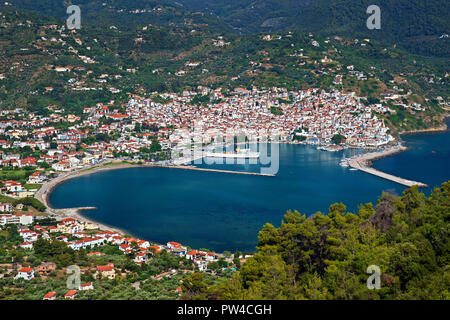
[128, 13]
[413, 24]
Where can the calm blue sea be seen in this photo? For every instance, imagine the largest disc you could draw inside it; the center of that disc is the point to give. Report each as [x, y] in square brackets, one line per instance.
[225, 211]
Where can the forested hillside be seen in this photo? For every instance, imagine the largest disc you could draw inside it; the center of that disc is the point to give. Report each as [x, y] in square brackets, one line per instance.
[102, 62]
[415, 25]
[123, 14]
[326, 256]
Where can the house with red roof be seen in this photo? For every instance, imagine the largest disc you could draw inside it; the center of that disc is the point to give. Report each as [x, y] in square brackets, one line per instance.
[106, 271]
[125, 248]
[13, 186]
[28, 161]
[26, 245]
[86, 286]
[25, 273]
[50, 296]
[71, 294]
[36, 178]
[173, 245]
[95, 254]
[141, 258]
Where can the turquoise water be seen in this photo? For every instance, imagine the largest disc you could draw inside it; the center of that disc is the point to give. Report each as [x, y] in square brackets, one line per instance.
[225, 211]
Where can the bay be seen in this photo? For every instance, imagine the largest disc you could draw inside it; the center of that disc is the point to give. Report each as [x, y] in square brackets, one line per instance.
[222, 211]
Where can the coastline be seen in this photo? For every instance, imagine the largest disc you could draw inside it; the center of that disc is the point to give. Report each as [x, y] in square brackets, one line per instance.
[443, 127]
[47, 188]
[363, 161]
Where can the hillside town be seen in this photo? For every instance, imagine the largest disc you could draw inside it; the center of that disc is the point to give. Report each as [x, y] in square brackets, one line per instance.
[36, 149]
[146, 129]
[87, 237]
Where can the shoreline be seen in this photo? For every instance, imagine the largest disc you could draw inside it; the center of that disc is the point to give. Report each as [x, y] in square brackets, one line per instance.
[364, 161]
[44, 192]
[47, 188]
[443, 127]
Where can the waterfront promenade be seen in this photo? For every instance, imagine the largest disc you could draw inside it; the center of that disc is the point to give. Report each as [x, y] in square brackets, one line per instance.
[363, 163]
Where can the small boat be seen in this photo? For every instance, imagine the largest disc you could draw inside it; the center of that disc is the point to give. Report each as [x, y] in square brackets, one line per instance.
[344, 163]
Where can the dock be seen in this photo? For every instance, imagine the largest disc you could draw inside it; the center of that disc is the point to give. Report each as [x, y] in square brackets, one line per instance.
[363, 164]
[215, 170]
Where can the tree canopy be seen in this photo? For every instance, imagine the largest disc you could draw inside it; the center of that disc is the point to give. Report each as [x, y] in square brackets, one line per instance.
[326, 256]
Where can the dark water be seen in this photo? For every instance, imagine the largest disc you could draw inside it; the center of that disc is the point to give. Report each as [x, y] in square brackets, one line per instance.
[225, 211]
[427, 161]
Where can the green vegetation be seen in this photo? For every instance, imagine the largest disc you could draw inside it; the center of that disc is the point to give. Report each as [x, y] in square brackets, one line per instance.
[276, 111]
[326, 256]
[338, 139]
[16, 174]
[412, 24]
[299, 138]
[147, 61]
[27, 201]
[32, 202]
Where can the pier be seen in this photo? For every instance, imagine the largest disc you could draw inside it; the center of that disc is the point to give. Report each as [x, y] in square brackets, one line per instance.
[363, 164]
[215, 170]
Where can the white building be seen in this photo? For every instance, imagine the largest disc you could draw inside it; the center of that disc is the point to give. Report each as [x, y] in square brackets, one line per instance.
[25, 273]
[25, 219]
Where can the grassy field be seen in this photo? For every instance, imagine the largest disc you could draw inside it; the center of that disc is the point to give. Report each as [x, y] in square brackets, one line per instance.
[6, 199]
[16, 175]
[30, 186]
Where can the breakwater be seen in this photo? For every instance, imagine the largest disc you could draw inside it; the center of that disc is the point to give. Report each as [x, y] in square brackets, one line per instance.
[214, 170]
[364, 162]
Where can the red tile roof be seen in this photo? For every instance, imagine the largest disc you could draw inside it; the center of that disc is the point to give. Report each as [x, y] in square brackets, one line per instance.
[70, 293]
[49, 295]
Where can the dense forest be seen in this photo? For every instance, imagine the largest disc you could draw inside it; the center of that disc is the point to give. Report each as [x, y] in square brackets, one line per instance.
[326, 256]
